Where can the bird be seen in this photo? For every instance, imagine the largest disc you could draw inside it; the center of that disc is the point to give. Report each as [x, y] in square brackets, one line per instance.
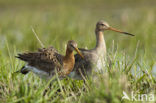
[47, 61]
[94, 59]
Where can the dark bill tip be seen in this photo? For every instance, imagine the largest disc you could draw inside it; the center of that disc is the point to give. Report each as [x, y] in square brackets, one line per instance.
[128, 33]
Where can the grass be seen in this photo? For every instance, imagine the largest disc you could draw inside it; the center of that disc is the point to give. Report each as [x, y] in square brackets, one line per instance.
[56, 22]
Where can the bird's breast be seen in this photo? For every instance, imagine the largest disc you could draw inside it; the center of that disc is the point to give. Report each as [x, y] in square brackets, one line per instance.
[68, 64]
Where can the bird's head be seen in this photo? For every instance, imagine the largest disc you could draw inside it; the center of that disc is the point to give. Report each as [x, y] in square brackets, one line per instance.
[102, 25]
[72, 45]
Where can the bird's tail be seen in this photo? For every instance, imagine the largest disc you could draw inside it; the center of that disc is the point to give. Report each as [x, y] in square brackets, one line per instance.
[25, 56]
[23, 70]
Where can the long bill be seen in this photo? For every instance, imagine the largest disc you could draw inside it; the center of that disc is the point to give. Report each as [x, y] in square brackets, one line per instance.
[113, 29]
[77, 50]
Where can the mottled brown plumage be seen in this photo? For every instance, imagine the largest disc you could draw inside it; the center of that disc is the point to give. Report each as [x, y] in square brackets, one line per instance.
[45, 61]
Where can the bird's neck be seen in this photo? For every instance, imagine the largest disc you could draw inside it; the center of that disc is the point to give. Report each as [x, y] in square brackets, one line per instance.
[68, 61]
[100, 42]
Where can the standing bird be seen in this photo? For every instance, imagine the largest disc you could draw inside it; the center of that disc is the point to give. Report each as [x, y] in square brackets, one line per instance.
[94, 59]
[47, 61]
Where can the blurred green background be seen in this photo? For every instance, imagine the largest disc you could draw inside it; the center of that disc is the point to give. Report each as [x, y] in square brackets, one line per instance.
[57, 21]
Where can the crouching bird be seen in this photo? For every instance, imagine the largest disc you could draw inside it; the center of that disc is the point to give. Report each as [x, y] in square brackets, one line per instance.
[47, 61]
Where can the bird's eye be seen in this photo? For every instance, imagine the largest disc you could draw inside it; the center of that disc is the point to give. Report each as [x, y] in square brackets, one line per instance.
[103, 24]
[71, 45]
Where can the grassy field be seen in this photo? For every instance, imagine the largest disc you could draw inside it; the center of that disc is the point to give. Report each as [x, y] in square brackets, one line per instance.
[56, 22]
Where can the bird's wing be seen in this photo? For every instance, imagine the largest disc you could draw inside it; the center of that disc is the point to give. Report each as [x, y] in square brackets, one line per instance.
[82, 49]
[45, 59]
[81, 65]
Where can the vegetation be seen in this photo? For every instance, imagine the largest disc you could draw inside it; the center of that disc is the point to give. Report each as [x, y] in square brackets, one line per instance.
[55, 22]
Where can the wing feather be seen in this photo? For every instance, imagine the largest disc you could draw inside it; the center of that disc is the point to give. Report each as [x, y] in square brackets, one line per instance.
[81, 65]
[45, 59]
